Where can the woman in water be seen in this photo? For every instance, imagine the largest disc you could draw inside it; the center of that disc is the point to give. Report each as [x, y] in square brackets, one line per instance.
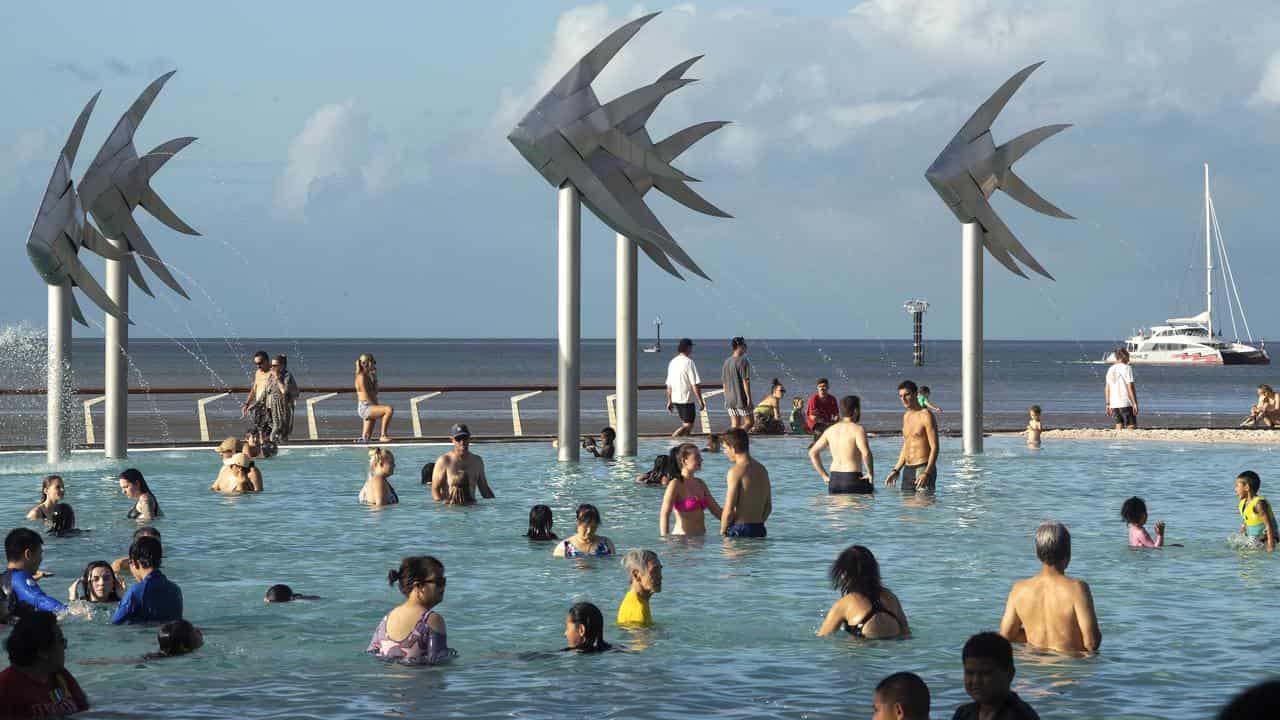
[585, 542]
[367, 407]
[238, 478]
[661, 473]
[1134, 514]
[866, 609]
[377, 488]
[688, 496]
[284, 593]
[52, 490]
[540, 524]
[134, 487]
[422, 638]
[584, 629]
[98, 584]
[769, 412]
[62, 521]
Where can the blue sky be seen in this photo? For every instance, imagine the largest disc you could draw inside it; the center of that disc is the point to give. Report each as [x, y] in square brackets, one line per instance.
[352, 176]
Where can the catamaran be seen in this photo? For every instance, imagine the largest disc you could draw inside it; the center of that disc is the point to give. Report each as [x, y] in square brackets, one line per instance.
[1192, 340]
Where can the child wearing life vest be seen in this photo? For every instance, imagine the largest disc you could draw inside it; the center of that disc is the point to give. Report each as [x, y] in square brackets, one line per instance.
[1257, 520]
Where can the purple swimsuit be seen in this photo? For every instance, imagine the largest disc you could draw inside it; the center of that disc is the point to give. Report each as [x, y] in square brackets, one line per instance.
[422, 646]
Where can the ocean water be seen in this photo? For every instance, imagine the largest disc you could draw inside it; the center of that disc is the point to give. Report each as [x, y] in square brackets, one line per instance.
[1183, 628]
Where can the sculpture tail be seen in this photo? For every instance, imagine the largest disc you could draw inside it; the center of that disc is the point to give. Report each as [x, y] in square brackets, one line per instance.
[1009, 153]
[147, 166]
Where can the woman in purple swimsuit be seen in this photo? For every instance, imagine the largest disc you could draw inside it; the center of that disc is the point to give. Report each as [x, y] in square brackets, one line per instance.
[420, 630]
[688, 496]
[585, 542]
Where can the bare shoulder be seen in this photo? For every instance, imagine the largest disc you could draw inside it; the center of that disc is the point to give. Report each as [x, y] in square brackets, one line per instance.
[435, 621]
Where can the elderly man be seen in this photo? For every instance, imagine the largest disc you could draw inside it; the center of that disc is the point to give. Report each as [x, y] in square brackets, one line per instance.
[1051, 610]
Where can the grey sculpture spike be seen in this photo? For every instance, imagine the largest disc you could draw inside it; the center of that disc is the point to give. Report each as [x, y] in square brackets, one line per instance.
[119, 180]
[971, 168]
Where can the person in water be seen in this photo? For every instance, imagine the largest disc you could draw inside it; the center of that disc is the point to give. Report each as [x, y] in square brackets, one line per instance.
[459, 473]
[768, 414]
[37, 683]
[605, 450]
[988, 675]
[62, 521]
[540, 524]
[866, 609]
[284, 593]
[584, 629]
[1034, 427]
[1134, 514]
[748, 500]
[120, 566]
[97, 584]
[154, 597]
[1052, 611]
[367, 407]
[227, 450]
[134, 487]
[847, 441]
[901, 696]
[713, 444]
[237, 476]
[661, 473]
[52, 491]
[1259, 701]
[646, 579]
[688, 496]
[918, 461]
[377, 488]
[1258, 522]
[585, 542]
[176, 637]
[413, 633]
[23, 552]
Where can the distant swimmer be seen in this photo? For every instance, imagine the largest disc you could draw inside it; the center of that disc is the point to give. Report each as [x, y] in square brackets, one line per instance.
[284, 593]
[1052, 611]
[52, 490]
[645, 571]
[540, 522]
[367, 407]
[748, 499]
[683, 388]
[134, 487]
[1034, 427]
[918, 462]
[605, 450]
[62, 521]
[847, 441]
[377, 488]
[1258, 522]
[687, 497]
[459, 473]
[1134, 514]
[586, 542]
[227, 478]
[584, 629]
[664, 468]
[413, 633]
[866, 609]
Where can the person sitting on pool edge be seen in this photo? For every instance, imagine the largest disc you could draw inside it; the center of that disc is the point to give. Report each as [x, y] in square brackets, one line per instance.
[585, 542]
[24, 551]
[154, 597]
[459, 473]
[901, 696]
[284, 593]
[866, 609]
[377, 488]
[1052, 611]
[748, 501]
[988, 673]
[37, 683]
[1258, 522]
[52, 491]
[646, 579]
[584, 629]
[423, 637]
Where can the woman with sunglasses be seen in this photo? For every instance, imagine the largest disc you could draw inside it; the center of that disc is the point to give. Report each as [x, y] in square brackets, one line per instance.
[413, 633]
[367, 406]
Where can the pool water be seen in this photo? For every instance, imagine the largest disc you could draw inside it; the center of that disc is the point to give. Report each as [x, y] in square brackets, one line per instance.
[1183, 628]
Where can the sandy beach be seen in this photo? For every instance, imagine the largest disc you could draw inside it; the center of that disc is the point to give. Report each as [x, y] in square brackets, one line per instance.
[1200, 435]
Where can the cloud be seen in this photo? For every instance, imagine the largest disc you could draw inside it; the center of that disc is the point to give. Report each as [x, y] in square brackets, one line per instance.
[81, 72]
[27, 148]
[338, 155]
[1268, 92]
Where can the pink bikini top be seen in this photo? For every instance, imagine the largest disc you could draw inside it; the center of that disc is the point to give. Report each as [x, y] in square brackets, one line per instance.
[690, 504]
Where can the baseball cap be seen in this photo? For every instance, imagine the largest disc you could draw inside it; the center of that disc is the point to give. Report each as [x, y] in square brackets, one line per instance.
[459, 430]
[229, 445]
[685, 344]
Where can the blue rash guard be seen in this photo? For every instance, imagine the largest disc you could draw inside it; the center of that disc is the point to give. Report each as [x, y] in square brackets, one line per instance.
[155, 599]
[25, 596]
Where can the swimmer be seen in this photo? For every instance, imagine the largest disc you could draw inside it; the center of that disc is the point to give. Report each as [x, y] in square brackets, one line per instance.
[866, 609]
[98, 584]
[713, 444]
[605, 450]
[237, 478]
[284, 593]
[62, 521]
[227, 450]
[646, 579]
[1034, 427]
[988, 675]
[177, 637]
[121, 566]
[585, 542]
[1258, 522]
[52, 490]
[423, 638]
[427, 471]
[847, 441]
[24, 551]
[688, 496]
[918, 460]
[1052, 611]
[134, 487]
[1134, 514]
[584, 629]
[901, 696]
[540, 524]
[154, 597]
[748, 499]
[661, 473]
[377, 488]
[459, 473]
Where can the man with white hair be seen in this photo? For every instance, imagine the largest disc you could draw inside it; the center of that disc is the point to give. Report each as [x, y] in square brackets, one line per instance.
[646, 579]
[1051, 610]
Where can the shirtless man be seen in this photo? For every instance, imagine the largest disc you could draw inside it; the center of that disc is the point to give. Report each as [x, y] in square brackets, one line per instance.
[918, 461]
[847, 441]
[1051, 610]
[226, 477]
[749, 500]
[459, 473]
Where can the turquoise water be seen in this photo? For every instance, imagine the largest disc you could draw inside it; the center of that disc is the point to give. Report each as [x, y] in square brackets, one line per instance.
[1183, 628]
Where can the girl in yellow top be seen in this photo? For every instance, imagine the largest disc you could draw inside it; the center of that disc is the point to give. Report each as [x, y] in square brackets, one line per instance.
[1258, 522]
[646, 579]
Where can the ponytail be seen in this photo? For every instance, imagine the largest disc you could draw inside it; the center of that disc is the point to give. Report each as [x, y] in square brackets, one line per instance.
[379, 455]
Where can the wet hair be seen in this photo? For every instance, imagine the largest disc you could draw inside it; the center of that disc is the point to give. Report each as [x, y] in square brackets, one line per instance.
[609, 434]
[379, 455]
[284, 593]
[19, 541]
[823, 381]
[86, 587]
[588, 515]
[1261, 700]
[284, 361]
[684, 451]
[428, 471]
[989, 646]
[638, 560]
[1035, 410]
[661, 468]
[909, 387]
[413, 571]
[909, 691]
[1053, 544]
[592, 622]
[146, 552]
[261, 355]
[62, 519]
[33, 633]
[851, 407]
[177, 637]
[856, 571]
[1133, 510]
[736, 440]
[1251, 479]
[146, 531]
[540, 523]
[134, 477]
[44, 485]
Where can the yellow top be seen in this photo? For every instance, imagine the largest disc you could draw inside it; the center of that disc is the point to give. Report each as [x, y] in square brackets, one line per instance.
[634, 611]
[1252, 514]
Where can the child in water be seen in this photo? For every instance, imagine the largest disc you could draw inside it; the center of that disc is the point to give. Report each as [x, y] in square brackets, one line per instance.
[1257, 521]
[1134, 513]
[584, 629]
[1034, 428]
[922, 397]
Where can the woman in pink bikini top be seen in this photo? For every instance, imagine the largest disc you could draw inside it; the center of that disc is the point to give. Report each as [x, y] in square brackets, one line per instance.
[687, 496]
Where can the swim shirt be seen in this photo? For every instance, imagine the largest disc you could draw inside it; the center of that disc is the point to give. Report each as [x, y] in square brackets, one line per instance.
[634, 611]
[22, 696]
[24, 596]
[155, 599]
[1013, 708]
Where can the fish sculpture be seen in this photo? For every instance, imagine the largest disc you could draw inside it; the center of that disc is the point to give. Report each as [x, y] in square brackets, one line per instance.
[119, 180]
[971, 168]
[565, 131]
[61, 229]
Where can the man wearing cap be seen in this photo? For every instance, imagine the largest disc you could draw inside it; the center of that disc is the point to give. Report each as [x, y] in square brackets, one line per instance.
[735, 378]
[461, 469]
[682, 387]
[228, 449]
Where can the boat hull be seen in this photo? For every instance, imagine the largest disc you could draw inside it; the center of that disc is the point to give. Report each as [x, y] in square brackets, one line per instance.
[1253, 357]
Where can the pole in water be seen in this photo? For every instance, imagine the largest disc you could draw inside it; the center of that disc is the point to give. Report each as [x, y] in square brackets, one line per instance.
[916, 309]
[569, 301]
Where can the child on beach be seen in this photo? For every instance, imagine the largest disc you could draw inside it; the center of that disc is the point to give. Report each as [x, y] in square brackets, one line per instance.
[1257, 521]
[1134, 513]
[646, 579]
[922, 397]
[797, 415]
[1034, 428]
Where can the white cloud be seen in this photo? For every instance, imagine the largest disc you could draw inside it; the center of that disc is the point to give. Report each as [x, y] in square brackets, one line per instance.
[27, 147]
[338, 151]
[1268, 92]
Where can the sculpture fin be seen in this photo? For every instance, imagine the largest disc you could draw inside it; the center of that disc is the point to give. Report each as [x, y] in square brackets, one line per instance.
[1001, 236]
[1015, 188]
[672, 147]
[589, 66]
[636, 122]
[139, 244]
[76, 313]
[147, 166]
[135, 274]
[72, 145]
[658, 257]
[622, 108]
[93, 240]
[140, 106]
[980, 121]
[1002, 256]
[688, 197]
[81, 278]
[621, 147]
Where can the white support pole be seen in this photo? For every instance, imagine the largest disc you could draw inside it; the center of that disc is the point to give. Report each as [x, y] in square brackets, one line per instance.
[89, 437]
[626, 340]
[610, 406]
[971, 336]
[57, 444]
[413, 411]
[706, 418]
[517, 428]
[116, 361]
[569, 307]
[313, 432]
[204, 419]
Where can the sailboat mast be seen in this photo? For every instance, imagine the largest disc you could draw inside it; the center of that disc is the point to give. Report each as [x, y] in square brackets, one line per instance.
[1208, 254]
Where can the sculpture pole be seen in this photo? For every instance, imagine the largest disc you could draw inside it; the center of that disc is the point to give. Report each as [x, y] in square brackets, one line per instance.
[57, 443]
[116, 362]
[971, 336]
[626, 340]
[570, 322]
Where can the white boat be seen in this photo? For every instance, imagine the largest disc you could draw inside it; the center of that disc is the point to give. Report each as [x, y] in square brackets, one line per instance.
[1192, 340]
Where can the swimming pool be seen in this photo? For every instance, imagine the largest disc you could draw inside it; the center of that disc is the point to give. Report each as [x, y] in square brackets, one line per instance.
[1183, 628]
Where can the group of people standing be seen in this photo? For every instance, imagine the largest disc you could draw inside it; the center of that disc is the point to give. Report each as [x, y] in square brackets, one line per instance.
[271, 399]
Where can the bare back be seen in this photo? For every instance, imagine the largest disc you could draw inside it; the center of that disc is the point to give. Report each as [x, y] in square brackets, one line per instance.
[1054, 612]
[749, 496]
[366, 388]
[844, 440]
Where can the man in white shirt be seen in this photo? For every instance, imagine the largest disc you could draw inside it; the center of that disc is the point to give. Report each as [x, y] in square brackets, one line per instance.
[1122, 398]
[682, 387]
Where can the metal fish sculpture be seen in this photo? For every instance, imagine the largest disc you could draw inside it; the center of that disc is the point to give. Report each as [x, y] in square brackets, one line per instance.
[61, 229]
[118, 181]
[971, 168]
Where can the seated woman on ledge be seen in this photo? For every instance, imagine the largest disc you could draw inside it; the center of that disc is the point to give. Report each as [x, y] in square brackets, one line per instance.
[866, 609]
[377, 489]
[768, 414]
[1267, 411]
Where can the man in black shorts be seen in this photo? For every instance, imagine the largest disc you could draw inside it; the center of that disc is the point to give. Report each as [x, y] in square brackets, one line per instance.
[682, 388]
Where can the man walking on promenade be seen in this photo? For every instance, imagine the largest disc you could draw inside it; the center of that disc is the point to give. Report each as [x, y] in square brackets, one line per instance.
[821, 410]
[918, 461]
[1122, 397]
[735, 378]
[682, 387]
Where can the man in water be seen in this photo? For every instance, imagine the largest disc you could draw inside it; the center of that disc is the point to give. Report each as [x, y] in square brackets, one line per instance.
[1051, 610]
[918, 461]
[682, 387]
[459, 470]
[748, 501]
[847, 441]
[735, 378]
[1122, 397]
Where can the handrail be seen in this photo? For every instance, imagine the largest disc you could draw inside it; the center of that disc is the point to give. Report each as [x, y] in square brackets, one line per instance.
[517, 428]
[334, 389]
[313, 431]
[414, 402]
[89, 438]
[204, 418]
[706, 419]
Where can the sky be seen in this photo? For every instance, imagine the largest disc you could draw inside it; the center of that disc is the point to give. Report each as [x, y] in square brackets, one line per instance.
[352, 176]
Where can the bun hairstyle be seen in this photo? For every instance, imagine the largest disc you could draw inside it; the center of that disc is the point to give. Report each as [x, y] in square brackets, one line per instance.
[379, 455]
[413, 571]
[44, 486]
